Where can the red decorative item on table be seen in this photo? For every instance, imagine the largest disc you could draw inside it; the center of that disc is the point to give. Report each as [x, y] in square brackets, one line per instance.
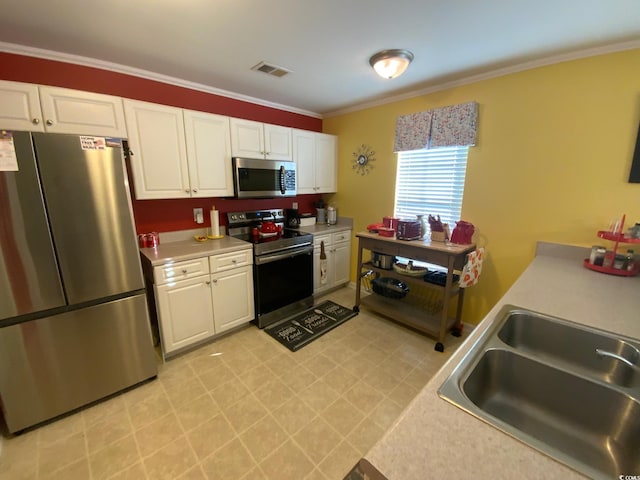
[463, 233]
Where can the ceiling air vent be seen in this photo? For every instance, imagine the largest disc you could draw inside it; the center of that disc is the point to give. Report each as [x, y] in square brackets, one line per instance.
[271, 69]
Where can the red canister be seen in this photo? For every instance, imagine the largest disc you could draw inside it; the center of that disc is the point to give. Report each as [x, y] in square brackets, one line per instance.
[390, 222]
[148, 240]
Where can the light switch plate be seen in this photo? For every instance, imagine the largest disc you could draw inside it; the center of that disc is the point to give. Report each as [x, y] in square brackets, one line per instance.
[295, 205]
[198, 216]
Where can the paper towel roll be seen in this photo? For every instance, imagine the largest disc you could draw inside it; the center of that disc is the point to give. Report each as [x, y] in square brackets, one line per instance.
[215, 223]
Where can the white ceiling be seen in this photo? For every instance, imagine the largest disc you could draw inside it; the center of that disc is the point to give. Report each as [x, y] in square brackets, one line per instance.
[325, 43]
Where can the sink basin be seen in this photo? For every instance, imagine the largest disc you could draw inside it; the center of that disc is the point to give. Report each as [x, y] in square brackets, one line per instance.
[539, 379]
[572, 346]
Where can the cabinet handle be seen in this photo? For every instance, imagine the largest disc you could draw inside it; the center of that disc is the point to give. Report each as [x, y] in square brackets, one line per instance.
[187, 190]
[184, 270]
[35, 121]
[215, 280]
[49, 123]
[195, 190]
[130, 152]
[207, 282]
[234, 261]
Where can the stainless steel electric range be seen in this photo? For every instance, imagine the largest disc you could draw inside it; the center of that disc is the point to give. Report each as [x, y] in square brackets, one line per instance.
[282, 263]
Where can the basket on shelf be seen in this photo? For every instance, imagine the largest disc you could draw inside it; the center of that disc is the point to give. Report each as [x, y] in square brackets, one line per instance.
[390, 287]
[410, 269]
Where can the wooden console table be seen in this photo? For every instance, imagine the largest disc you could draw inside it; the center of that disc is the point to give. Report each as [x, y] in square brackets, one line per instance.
[450, 256]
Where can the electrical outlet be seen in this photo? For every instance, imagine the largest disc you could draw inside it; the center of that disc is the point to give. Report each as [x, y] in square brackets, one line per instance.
[198, 216]
[295, 205]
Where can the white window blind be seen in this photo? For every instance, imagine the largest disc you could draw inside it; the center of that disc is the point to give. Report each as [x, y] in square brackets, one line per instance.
[431, 182]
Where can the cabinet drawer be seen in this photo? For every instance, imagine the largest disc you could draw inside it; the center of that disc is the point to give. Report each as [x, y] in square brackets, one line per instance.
[180, 270]
[317, 239]
[341, 236]
[227, 261]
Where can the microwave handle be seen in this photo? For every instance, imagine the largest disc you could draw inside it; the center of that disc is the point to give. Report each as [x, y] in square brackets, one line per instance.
[282, 182]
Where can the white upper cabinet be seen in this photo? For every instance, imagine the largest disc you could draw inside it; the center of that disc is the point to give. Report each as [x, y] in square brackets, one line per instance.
[20, 107]
[178, 153]
[83, 113]
[30, 107]
[208, 154]
[277, 142]
[316, 158]
[260, 140]
[157, 150]
[304, 153]
[326, 163]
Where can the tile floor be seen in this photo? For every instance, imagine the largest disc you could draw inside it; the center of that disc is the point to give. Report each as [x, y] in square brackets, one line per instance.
[257, 411]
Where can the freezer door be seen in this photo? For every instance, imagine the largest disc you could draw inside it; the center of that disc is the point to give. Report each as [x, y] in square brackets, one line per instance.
[87, 197]
[29, 280]
[56, 364]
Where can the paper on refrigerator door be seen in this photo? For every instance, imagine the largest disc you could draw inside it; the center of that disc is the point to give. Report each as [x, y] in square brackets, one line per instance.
[8, 159]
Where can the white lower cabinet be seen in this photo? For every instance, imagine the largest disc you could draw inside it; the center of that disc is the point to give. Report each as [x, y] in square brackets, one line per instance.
[337, 248]
[200, 298]
[232, 294]
[185, 312]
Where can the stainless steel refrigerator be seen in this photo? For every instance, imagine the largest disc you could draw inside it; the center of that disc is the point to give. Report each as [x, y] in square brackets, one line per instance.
[74, 324]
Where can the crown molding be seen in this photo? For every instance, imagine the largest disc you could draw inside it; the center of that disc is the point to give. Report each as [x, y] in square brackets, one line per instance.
[137, 72]
[565, 57]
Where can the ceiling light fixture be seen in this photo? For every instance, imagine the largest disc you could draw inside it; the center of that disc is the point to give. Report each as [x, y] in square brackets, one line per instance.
[391, 63]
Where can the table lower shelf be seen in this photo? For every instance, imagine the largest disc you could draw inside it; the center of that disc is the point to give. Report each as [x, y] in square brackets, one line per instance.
[407, 314]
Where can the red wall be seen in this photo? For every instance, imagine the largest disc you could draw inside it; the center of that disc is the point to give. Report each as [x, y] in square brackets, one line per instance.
[171, 215]
[162, 215]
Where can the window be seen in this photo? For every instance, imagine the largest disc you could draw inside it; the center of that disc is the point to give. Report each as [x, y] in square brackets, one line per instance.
[431, 182]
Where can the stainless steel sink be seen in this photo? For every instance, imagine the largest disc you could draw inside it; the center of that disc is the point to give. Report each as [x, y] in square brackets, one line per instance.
[539, 379]
[572, 346]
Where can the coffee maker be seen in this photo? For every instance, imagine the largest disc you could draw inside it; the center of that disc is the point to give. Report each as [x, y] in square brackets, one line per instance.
[292, 218]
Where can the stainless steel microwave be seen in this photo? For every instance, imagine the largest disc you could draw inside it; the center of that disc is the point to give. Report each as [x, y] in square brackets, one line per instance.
[257, 178]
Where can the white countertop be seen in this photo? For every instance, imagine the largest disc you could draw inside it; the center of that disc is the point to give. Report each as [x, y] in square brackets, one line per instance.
[323, 229]
[188, 249]
[434, 439]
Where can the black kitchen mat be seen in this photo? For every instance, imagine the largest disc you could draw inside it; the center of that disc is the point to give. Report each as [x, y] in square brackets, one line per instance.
[300, 330]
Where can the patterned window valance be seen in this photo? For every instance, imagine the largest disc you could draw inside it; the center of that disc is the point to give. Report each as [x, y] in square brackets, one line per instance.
[450, 126]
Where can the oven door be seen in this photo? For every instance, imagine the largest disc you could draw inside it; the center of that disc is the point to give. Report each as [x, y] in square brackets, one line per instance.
[283, 281]
[263, 178]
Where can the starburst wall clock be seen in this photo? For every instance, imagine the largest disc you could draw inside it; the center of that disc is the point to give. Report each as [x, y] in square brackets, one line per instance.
[362, 158]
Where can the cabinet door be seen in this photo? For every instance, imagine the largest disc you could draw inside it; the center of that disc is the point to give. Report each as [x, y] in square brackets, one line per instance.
[158, 152]
[232, 298]
[304, 153]
[326, 163]
[209, 154]
[20, 107]
[277, 142]
[341, 262]
[82, 113]
[185, 312]
[247, 138]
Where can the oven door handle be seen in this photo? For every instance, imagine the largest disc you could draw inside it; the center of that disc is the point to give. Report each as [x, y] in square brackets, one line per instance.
[287, 254]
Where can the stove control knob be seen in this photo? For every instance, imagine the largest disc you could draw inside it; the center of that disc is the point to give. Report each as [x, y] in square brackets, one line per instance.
[233, 217]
